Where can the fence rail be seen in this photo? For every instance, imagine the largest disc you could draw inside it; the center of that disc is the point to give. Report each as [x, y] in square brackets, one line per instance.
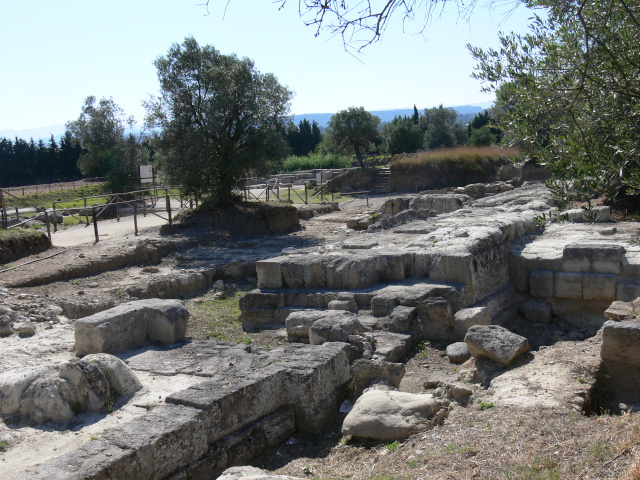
[139, 201]
[53, 187]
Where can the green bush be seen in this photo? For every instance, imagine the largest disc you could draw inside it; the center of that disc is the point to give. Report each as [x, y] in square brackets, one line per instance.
[313, 161]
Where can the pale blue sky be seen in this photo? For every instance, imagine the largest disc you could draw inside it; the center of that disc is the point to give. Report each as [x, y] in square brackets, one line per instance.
[56, 53]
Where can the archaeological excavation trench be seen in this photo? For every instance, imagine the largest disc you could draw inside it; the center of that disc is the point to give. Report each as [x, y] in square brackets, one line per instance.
[518, 301]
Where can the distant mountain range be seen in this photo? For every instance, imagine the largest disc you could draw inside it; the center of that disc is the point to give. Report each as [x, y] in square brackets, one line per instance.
[464, 112]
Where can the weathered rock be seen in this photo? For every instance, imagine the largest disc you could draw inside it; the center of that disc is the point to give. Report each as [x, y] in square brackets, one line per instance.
[535, 312]
[121, 378]
[298, 323]
[83, 385]
[252, 473]
[458, 352]
[369, 372]
[5, 330]
[25, 329]
[392, 347]
[131, 324]
[335, 328]
[399, 320]
[496, 343]
[391, 415]
[621, 342]
[468, 317]
[618, 310]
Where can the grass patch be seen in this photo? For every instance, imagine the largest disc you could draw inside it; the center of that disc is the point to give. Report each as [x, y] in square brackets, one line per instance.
[313, 161]
[219, 319]
[63, 198]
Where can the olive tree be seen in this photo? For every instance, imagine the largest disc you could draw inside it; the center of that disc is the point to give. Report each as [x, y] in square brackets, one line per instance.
[352, 131]
[571, 90]
[217, 120]
[106, 151]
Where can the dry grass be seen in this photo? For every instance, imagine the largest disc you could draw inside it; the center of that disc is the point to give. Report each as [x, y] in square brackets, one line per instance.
[453, 167]
[460, 154]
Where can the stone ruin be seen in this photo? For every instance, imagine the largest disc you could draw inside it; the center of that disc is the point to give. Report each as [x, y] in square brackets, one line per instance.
[461, 269]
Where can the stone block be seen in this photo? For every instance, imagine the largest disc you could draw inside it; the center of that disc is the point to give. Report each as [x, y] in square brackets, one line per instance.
[392, 347]
[592, 258]
[535, 311]
[269, 273]
[496, 343]
[621, 342]
[520, 278]
[468, 317]
[335, 327]
[630, 263]
[599, 286]
[541, 283]
[618, 310]
[131, 324]
[299, 323]
[434, 319]
[568, 285]
[627, 291]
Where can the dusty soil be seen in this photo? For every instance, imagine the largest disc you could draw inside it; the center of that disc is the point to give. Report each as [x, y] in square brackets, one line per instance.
[492, 437]
[18, 244]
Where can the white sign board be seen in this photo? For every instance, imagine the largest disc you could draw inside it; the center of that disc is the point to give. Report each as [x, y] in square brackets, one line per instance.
[319, 178]
[146, 174]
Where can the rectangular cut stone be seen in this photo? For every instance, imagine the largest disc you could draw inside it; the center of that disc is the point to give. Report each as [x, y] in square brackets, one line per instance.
[568, 285]
[618, 310]
[621, 342]
[599, 286]
[541, 283]
[627, 291]
[592, 258]
[270, 273]
[131, 324]
[630, 264]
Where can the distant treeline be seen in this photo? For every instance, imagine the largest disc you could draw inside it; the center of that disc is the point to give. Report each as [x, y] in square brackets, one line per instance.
[27, 162]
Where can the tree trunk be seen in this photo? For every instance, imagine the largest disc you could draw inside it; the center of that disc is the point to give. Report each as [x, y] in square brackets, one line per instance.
[356, 149]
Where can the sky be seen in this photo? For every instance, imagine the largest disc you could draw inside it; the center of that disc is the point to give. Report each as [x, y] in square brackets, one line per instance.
[56, 53]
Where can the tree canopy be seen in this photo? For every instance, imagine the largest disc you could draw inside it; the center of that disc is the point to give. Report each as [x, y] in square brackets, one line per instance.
[106, 152]
[352, 131]
[217, 119]
[570, 90]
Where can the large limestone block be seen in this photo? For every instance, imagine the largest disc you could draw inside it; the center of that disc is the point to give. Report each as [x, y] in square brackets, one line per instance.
[592, 258]
[434, 319]
[468, 317]
[535, 311]
[391, 415]
[269, 273]
[128, 325]
[299, 323]
[369, 372]
[496, 343]
[121, 378]
[335, 327]
[621, 342]
[598, 286]
[541, 283]
[458, 352]
[568, 285]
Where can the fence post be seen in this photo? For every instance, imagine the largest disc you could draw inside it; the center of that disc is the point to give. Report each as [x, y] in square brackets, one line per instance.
[168, 206]
[289, 193]
[46, 217]
[95, 223]
[118, 205]
[55, 218]
[17, 215]
[191, 203]
[86, 214]
[305, 193]
[4, 209]
[135, 216]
